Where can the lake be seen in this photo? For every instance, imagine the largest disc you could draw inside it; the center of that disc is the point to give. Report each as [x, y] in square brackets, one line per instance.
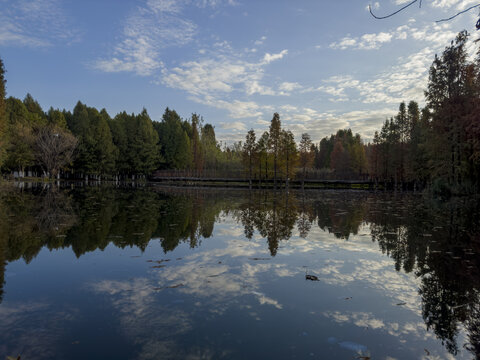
[180, 273]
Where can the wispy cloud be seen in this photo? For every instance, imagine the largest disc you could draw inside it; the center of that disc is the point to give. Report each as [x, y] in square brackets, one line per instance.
[146, 32]
[219, 80]
[268, 58]
[433, 34]
[151, 28]
[35, 23]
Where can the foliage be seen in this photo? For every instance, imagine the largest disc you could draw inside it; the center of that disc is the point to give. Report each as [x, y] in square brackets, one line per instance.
[3, 118]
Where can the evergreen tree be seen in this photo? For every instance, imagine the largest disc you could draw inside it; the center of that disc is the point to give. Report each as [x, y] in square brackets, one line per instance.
[289, 155]
[3, 115]
[306, 155]
[175, 142]
[19, 152]
[447, 96]
[196, 144]
[262, 151]
[144, 145]
[249, 153]
[56, 117]
[274, 144]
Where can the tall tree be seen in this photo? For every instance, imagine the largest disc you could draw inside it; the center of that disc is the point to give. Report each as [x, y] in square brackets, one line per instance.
[20, 135]
[196, 144]
[306, 155]
[210, 147]
[176, 149]
[3, 116]
[446, 97]
[57, 118]
[144, 145]
[289, 154]
[262, 151]
[249, 150]
[274, 143]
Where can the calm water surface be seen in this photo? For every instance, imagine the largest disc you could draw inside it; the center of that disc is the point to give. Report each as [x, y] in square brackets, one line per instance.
[164, 273]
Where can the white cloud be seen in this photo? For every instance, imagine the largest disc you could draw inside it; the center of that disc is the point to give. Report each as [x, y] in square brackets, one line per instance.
[433, 34]
[220, 79]
[150, 29]
[268, 58]
[37, 23]
[288, 87]
[233, 125]
[458, 4]
[260, 41]
[364, 42]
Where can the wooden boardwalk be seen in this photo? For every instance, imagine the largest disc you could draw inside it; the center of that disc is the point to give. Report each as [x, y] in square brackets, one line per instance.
[242, 182]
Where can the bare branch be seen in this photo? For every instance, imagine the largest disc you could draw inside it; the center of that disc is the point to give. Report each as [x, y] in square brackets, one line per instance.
[420, 5]
[396, 12]
[461, 12]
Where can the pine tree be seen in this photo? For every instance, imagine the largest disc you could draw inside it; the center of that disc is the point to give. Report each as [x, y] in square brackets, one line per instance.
[3, 115]
[249, 153]
[274, 143]
[306, 155]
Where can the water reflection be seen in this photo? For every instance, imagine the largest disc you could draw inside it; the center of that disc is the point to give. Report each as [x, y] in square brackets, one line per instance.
[438, 242]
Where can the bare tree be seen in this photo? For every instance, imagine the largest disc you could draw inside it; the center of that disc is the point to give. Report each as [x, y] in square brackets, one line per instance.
[54, 148]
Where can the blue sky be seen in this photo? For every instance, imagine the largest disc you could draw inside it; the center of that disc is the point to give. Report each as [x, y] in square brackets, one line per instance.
[322, 65]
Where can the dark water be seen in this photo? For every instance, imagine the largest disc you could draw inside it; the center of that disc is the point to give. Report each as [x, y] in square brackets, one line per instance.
[158, 273]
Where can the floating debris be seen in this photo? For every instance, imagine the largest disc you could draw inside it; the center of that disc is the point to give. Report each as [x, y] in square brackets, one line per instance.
[257, 258]
[175, 286]
[311, 277]
[401, 303]
[158, 266]
[214, 275]
[168, 287]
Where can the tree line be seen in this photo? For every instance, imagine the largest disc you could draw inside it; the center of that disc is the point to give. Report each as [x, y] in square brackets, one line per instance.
[88, 143]
[436, 147]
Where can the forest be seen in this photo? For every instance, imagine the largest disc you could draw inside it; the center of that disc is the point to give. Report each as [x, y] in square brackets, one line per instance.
[437, 146]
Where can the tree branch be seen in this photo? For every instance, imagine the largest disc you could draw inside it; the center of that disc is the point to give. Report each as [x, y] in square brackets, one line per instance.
[420, 5]
[396, 12]
[461, 12]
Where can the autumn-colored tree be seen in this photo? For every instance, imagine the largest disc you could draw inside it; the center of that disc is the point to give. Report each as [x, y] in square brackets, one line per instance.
[262, 152]
[249, 153]
[289, 155]
[306, 155]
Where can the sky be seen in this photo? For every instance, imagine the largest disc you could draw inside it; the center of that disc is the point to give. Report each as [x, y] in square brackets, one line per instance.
[322, 65]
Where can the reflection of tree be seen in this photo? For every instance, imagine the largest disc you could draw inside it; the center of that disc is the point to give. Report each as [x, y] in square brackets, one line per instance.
[439, 243]
[340, 213]
[306, 217]
[272, 214]
[29, 222]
